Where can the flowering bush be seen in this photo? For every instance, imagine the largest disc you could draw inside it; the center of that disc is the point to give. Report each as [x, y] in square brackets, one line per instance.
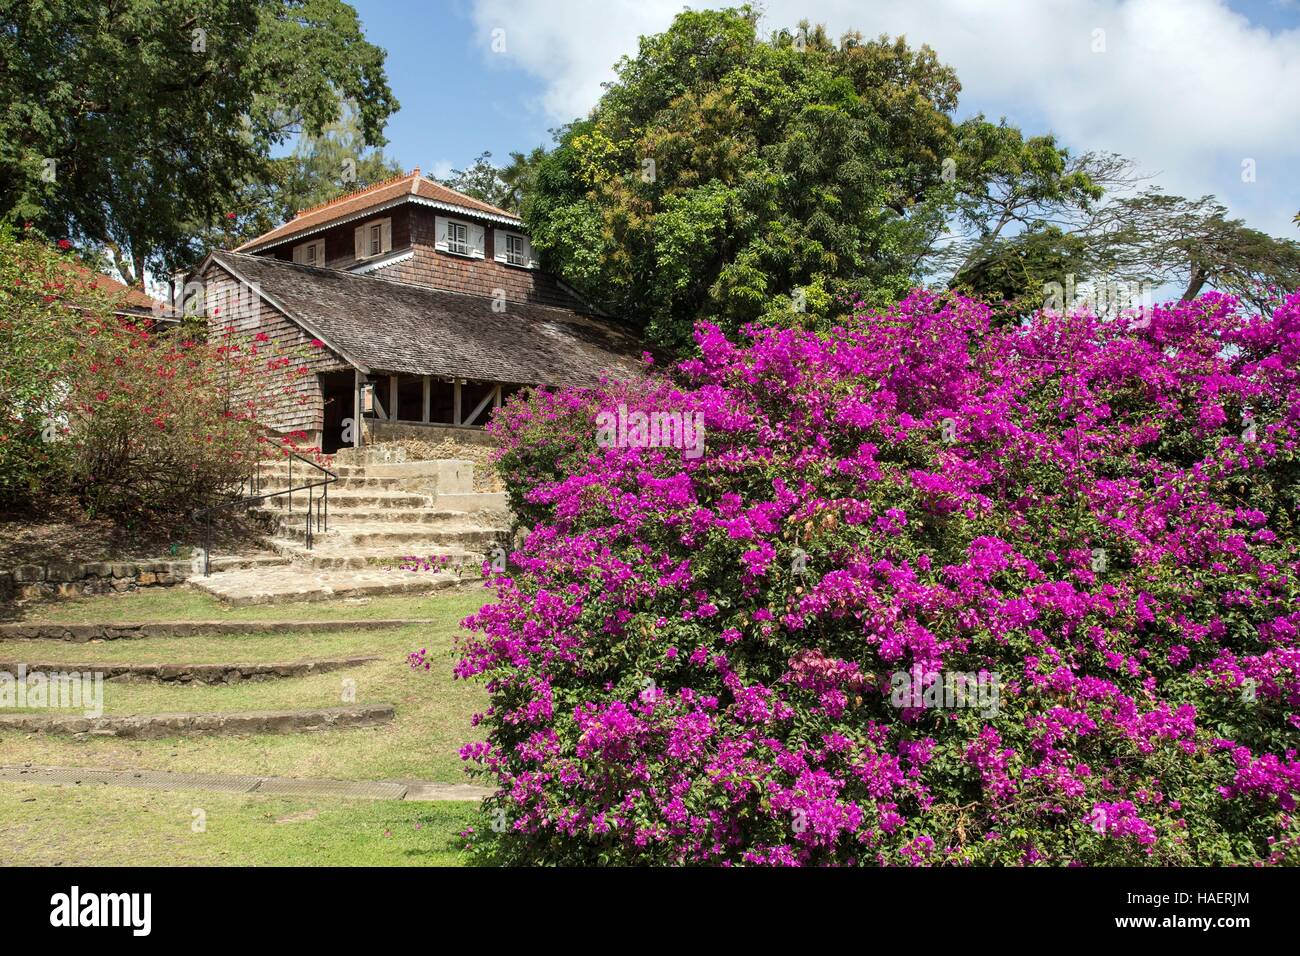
[160, 423]
[698, 660]
[37, 334]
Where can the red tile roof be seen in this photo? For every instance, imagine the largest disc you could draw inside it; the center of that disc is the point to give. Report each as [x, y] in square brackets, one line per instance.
[350, 204]
[126, 296]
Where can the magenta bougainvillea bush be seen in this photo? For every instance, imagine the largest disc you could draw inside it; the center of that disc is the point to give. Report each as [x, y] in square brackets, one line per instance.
[936, 587]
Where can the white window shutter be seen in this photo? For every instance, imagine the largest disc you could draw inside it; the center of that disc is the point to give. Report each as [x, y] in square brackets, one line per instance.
[476, 234]
[359, 241]
[440, 234]
[386, 240]
[499, 245]
[299, 253]
[528, 253]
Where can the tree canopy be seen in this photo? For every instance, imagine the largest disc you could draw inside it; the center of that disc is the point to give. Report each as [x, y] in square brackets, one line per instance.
[135, 126]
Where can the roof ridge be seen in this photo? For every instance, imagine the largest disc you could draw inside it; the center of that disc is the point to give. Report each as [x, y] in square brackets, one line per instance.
[370, 277]
[413, 175]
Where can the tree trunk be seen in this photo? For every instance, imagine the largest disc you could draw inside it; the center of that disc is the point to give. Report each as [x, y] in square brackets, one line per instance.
[1194, 285]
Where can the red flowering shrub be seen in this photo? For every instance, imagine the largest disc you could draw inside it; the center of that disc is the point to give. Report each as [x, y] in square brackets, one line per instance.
[934, 591]
[161, 423]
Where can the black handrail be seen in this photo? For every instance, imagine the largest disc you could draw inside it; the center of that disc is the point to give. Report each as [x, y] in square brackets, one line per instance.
[254, 483]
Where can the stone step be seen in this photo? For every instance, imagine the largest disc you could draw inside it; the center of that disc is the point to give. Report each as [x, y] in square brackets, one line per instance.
[414, 538]
[324, 582]
[153, 726]
[404, 516]
[472, 501]
[348, 500]
[274, 484]
[324, 557]
[192, 673]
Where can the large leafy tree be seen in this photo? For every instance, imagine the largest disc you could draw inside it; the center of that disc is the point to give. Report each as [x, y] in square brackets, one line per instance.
[720, 170]
[134, 126]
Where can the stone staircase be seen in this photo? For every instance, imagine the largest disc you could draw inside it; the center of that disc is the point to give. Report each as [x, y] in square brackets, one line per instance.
[380, 513]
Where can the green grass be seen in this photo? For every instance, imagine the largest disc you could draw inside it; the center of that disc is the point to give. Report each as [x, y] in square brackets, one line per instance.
[433, 711]
[187, 604]
[43, 825]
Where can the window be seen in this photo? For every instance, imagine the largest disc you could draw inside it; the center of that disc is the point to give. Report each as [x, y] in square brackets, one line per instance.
[458, 238]
[515, 250]
[373, 239]
[310, 253]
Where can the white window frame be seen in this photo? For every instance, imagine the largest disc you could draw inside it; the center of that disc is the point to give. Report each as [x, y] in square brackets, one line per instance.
[501, 249]
[474, 237]
[457, 237]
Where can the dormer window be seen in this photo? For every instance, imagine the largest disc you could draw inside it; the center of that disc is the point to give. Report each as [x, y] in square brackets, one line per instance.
[458, 238]
[514, 249]
[373, 238]
[310, 253]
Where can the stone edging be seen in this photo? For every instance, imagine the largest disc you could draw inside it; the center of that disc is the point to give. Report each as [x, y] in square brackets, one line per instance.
[151, 726]
[193, 673]
[81, 633]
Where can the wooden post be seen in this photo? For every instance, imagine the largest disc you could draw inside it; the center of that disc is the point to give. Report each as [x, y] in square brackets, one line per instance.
[392, 398]
[455, 403]
[357, 382]
[428, 390]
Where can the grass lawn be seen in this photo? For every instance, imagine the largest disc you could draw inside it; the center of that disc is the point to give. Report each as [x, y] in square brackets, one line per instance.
[44, 825]
[187, 604]
[433, 711]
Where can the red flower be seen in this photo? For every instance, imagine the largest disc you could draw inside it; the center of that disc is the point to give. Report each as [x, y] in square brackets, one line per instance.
[64, 244]
[261, 337]
[317, 344]
[101, 396]
[230, 215]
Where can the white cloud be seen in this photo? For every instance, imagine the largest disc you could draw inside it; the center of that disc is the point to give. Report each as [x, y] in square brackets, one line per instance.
[1188, 88]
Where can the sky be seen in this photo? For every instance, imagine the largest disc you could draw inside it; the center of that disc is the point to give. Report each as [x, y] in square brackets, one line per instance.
[1203, 94]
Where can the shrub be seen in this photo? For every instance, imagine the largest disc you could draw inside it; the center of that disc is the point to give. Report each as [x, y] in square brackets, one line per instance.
[732, 658]
[37, 334]
[161, 423]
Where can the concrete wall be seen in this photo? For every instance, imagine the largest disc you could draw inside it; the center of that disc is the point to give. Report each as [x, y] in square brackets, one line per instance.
[426, 442]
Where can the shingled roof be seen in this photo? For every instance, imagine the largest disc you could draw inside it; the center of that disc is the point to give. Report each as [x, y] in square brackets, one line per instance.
[410, 187]
[382, 325]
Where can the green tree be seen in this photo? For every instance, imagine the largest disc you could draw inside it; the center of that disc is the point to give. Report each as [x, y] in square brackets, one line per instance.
[1017, 270]
[720, 170]
[136, 125]
[1194, 243]
[335, 161]
[503, 186]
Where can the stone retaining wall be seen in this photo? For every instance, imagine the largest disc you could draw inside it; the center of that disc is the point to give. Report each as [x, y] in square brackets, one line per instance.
[74, 578]
[81, 633]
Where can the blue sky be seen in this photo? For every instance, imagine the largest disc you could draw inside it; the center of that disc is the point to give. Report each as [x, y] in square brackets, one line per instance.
[1190, 89]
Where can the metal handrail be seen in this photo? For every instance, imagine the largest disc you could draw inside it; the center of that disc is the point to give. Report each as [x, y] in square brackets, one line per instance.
[253, 482]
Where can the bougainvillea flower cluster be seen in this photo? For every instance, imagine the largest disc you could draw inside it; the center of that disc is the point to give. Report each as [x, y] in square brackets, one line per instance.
[689, 659]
